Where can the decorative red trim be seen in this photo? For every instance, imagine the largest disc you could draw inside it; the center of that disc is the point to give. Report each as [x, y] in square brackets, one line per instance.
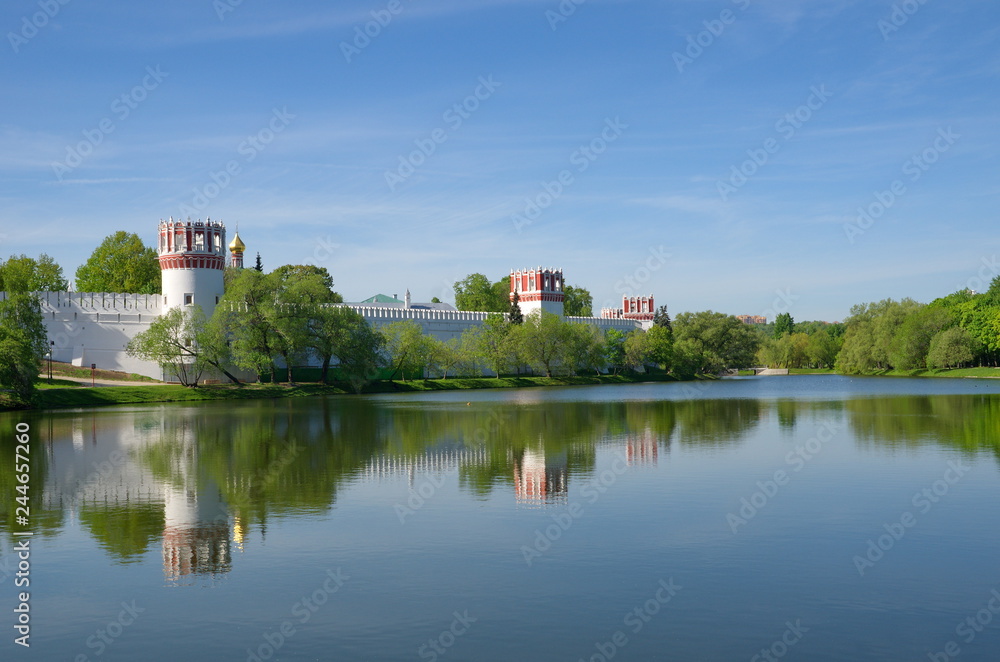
[192, 262]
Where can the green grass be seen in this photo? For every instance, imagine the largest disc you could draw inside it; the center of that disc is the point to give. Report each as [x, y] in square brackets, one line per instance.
[953, 372]
[812, 371]
[50, 398]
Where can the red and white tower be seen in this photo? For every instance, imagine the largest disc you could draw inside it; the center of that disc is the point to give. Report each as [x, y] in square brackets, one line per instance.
[236, 248]
[633, 308]
[192, 260]
[538, 289]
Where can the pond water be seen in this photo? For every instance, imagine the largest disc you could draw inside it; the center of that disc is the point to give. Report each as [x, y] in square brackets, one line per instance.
[799, 518]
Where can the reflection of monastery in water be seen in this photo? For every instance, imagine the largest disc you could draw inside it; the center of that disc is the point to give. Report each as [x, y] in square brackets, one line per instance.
[540, 479]
[105, 487]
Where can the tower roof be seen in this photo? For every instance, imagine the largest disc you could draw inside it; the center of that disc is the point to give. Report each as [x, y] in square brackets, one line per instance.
[237, 245]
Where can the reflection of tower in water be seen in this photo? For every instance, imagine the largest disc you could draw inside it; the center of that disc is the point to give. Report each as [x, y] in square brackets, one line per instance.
[196, 523]
[195, 532]
[642, 449]
[539, 479]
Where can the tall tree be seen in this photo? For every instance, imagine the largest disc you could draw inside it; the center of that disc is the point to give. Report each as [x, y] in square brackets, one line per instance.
[719, 341]
[577, 302]
[247, 313]
[951, 348]
[172, 341]
[783, 325]
[120, 264]
[475, 292]
[542, 341]
[662, 318]
[407, 346]
[493, 343]
[258, 265]
[21, 273]
[614, 349]
[514, 315]
[22, 345]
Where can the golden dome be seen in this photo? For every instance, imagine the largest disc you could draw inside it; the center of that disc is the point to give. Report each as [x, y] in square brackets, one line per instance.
[237, 245]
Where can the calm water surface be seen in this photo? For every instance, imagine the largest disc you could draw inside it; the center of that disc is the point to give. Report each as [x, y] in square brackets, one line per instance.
[812, 517]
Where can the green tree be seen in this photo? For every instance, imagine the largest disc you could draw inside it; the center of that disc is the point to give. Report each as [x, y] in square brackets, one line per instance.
[447, 356]
[21, 273]
[301, 292]
[577, 302]
[258, 265]
[22, 345]
[120, 264]
[584, 347]
[361, 351]
[407, 346]
[542, 341]
[514, 314]
[720, 341]
[178, 341]
[662, 318]
[913, 336]
[494, 343]
[475, 292]
[246, 312]
[783, 325]
[660, 344]
[636, 349]
[951, 348]
[822, 349]
[614, 349]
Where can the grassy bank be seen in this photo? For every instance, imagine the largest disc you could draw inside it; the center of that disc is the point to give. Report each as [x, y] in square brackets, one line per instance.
[52, 398]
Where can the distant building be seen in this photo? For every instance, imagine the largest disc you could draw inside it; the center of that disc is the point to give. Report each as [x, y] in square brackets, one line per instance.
[639, 308]
[752, 319]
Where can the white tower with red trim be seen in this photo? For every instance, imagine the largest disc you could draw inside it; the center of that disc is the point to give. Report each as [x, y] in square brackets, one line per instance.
[538, 289]
[192, 260]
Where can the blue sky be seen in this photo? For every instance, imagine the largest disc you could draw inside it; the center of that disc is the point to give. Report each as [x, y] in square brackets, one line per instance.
[606, 138]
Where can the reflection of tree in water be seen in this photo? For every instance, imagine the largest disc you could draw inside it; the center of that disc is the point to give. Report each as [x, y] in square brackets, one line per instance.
[970, 423]
[717, 423]
[125, 531]
[44, 520]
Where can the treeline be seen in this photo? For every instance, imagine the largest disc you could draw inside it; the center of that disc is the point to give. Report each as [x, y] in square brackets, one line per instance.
[958, 330]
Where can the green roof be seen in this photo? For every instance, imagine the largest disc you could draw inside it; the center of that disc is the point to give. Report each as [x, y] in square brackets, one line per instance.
[381, 298]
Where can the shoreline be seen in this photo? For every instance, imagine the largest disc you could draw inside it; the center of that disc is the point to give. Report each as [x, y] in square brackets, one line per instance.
[66, 398]
[141, 393]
